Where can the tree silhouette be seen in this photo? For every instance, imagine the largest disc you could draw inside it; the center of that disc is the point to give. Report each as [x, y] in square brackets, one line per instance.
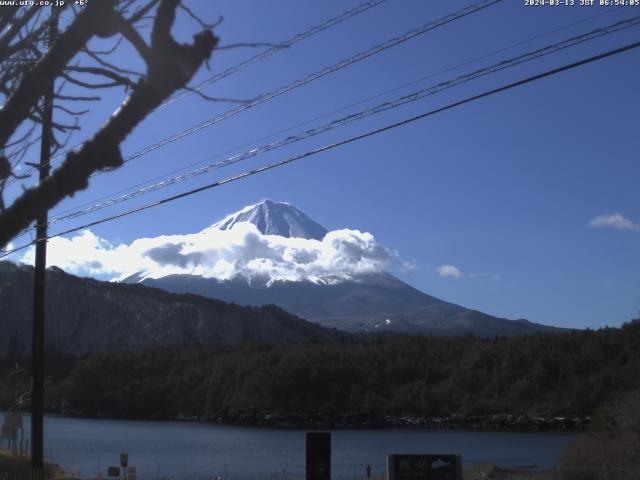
[30, 57]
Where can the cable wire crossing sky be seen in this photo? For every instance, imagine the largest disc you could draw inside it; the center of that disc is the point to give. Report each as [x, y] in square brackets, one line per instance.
[517, 196]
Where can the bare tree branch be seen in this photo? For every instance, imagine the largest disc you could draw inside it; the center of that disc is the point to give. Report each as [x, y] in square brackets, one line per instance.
[122, 80]
[132, 35]
[216, 99]
[22, 138]
[110, 50]
[33, 82]
[198, 20]
[111, 66]
[89, 85]
[75, 113]
[139, 14]
[170, 66]
[6, 16]
[78, 98]
[14, 30]
[34, 34]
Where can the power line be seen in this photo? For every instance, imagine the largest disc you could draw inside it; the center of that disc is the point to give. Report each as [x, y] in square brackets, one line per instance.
[341, 109]
[340, 143]
[312, 77]
[344, 16]
[476, 7]
[276, 48]
[383, 107]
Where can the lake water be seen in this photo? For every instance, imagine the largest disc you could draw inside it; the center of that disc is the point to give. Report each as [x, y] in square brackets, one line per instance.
[189, 450]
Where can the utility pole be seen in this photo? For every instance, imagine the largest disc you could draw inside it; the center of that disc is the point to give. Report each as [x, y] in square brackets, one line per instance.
[37, 394]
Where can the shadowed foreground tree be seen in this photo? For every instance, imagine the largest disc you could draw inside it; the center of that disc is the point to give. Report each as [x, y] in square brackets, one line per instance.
[30, 58]
[611, 448]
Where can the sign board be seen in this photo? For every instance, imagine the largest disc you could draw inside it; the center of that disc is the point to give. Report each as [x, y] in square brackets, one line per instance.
[9, 432]
[124, 460]
[318, 456]
[13, 419]
[424, 467]
[113, 472]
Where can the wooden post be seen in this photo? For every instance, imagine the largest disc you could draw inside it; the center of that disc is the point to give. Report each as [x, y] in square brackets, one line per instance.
[318, 460]
[37, 393]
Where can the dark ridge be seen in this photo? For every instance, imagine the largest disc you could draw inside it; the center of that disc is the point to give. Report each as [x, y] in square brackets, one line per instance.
[85, 315]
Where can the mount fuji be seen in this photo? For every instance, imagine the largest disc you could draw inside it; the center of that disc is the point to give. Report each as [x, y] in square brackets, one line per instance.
[275, 218]
[360, 302]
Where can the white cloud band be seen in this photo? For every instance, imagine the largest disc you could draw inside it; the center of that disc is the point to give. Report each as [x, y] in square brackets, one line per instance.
[614, 220]
[451, 271]
[223, 254]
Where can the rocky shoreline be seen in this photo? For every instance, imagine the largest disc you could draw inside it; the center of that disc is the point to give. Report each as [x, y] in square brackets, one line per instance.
[366, 422]
[514, 422]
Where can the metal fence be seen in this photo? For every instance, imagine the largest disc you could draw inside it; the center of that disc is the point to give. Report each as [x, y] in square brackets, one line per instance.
[273, 471]
[297, 471]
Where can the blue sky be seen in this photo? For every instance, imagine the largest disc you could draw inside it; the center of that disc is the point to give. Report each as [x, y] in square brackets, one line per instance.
[503, 189]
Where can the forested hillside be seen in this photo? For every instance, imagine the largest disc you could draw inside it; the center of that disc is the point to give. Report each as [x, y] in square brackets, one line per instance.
[543, 374]
[85, 315]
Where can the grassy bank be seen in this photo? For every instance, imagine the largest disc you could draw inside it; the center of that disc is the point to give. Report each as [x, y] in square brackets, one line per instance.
[13, 467]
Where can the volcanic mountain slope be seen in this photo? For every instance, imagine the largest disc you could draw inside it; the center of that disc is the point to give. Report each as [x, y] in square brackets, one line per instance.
[374, 302]
[361, 302]
[85, 315]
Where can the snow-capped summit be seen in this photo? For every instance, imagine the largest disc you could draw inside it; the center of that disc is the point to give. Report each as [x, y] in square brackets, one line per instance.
[338, 282]
[275, 218]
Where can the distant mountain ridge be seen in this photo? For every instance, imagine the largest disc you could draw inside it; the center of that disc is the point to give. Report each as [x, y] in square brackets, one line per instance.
[85, 315]
[362, 303]
[371, 303]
